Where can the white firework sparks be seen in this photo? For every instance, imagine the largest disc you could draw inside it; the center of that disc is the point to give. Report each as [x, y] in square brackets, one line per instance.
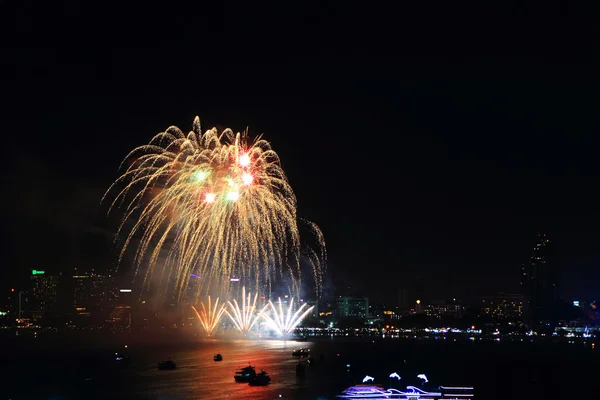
[244, 318]
[284, 322]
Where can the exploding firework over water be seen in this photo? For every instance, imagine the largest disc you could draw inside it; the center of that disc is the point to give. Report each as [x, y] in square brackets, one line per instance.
[245, 317]
[215, 206]
[284, 322]
[210, 316]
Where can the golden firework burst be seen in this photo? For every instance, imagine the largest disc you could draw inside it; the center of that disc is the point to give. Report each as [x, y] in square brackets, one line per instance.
[213, 205]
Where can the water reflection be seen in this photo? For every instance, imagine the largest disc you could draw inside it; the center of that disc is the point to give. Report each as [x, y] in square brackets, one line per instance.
[198, 376]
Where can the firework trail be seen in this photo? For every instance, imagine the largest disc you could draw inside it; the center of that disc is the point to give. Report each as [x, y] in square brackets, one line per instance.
[213, 205]
[210, 317]
[245, 317]
[284, 322]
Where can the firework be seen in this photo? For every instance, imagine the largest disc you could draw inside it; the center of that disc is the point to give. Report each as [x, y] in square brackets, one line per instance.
[214, 205]
[210, 317]
[284, 322]
[245, 318]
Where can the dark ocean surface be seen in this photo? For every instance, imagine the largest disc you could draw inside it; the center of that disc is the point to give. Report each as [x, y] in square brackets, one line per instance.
[61, 369]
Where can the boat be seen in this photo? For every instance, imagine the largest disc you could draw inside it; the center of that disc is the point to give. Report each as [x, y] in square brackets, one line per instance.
[301, 353]
[261, 379]
[218, 357]
[121, 358]
[245, 374]
[167, 365]
[449, 392]
[366, 391]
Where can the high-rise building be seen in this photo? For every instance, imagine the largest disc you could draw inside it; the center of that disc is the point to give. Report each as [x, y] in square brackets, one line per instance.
[442, 308]
[504, 306]
[42, 300]
[539, 278]
[352, 307]
[93, 297]
[7, 313]
[81, 301]
[120, 317]
[403, 302]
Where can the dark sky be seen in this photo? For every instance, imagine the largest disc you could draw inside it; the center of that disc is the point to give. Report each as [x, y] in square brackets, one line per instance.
[430, 146]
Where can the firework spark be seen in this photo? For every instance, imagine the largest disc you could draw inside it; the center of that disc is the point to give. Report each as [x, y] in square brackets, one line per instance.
[284, 322]
[245, 318]
[215, 205]
[210, 317]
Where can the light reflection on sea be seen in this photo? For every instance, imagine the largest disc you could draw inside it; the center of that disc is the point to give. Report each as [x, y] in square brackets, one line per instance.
[199, 377]
[58, 369]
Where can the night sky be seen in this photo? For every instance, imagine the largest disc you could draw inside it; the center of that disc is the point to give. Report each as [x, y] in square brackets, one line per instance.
[430, 146]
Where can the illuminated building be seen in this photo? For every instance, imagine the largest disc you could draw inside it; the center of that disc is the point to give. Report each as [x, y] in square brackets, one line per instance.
[539, 278]
[120, 316]
[418, 309]
[42, 300]
[380, 310]
[92, 298]
[81, 298]
[389, 317]
[504, 306]
[7, 315]
[442, 308]
[352, 307]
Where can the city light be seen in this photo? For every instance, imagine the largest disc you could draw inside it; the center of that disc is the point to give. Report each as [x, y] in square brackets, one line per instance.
[368, 378]
[36, 272]
[125, 290]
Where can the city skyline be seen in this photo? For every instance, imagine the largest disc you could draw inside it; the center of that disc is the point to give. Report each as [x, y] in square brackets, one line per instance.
[341, 283]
